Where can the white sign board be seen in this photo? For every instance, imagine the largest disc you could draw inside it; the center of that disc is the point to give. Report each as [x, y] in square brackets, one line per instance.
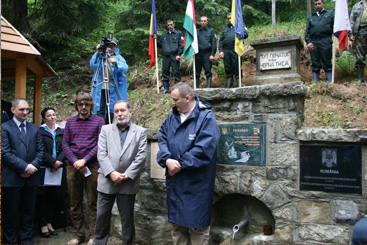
[156, 171]
[280, 59]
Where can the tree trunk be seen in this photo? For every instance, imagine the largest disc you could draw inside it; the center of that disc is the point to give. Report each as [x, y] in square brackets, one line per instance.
[309, 7]
[273, 13]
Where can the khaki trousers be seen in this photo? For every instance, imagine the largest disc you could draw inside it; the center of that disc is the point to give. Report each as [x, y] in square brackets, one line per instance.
[181, 235]
[76, 183]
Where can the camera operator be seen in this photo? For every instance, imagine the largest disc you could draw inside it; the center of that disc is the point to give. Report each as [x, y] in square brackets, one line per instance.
[103, 91]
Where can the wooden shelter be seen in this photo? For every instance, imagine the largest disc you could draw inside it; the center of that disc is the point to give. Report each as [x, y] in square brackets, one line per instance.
[21, 61]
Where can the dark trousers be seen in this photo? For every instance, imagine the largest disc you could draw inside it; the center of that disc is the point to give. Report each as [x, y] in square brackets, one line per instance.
[46, 204]
[168, 62]
[231, 63]
[103, 106]
[16, 200]
[321, 55]
[202, 60]
[360, 47]
[125, 204]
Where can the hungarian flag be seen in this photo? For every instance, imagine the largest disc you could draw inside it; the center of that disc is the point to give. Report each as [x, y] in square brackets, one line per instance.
[341, 23]
[152, 31]
[239, 28]
[191, 38]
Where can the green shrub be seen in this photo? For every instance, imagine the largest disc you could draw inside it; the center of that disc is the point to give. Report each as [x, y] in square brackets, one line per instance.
[346, 62]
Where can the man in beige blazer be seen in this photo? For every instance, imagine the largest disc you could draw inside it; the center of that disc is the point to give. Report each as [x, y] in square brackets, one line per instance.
[121, 154]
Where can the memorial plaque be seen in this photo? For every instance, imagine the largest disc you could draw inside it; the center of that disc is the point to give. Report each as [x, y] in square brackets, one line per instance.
[331, 168]
[242, 144]
[280, 59]
[156, 171]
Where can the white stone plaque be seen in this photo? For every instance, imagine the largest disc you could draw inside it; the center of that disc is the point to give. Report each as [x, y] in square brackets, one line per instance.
[280, 59]
[156, 171]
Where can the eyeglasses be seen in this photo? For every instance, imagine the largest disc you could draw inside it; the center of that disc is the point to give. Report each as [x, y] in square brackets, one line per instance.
[83, 104]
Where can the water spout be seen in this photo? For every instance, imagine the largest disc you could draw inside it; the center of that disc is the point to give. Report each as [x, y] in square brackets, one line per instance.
[237, 227]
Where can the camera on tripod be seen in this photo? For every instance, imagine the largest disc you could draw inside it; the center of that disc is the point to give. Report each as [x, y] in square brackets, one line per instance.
[106, 42]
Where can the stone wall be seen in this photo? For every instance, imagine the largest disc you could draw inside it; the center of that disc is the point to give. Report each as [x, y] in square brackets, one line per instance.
[304, 217]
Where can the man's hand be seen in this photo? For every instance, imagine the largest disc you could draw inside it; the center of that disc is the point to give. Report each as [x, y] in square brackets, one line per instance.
[310, 47]
[173, 166]
[221, 55]
[31, 169]
[211, 58]
[79, 164]
[111, 60]
[155, 36]
[178, 57]
[117, 177]
[352, 38]
[25, 175]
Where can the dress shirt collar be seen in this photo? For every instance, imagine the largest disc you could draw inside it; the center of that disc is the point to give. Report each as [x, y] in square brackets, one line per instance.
[18, 122]
[126, 128]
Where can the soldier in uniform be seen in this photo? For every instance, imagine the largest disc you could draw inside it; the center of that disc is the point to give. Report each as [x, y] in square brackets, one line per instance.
[318, 33]
[226, 52]
[171, 44]
[207, 49]
[358, 34]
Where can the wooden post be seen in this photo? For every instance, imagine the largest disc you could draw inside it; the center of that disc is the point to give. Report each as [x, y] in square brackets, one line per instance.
[20, 78]
[156, 64]
[37, 99]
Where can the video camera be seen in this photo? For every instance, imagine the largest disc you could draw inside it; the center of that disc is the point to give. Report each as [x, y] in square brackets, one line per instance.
[105, 43]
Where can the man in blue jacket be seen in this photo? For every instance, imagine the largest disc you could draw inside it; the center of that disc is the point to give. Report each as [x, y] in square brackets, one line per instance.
[187, 144]
[103, 94]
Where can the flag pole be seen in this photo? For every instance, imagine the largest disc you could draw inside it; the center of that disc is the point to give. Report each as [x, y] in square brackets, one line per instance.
[156, 64]
[333, 60]
[239, 71]
[194, 73]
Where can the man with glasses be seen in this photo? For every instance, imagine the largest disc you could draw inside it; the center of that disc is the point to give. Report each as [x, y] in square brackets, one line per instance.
[171, 44]
[80, 145]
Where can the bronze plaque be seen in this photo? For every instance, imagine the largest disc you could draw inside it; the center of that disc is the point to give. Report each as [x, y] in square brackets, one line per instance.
[242, 144]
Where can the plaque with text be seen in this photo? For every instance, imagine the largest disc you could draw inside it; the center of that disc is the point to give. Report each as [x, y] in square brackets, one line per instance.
[280, 59]
[331, 168]
[242, 144]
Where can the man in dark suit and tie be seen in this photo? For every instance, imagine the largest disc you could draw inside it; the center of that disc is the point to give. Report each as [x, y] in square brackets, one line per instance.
[21, 155]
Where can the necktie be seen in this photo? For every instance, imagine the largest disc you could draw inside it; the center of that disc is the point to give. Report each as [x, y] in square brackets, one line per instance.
[22, 130]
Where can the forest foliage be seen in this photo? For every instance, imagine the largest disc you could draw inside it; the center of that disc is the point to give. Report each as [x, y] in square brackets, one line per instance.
[65, 30]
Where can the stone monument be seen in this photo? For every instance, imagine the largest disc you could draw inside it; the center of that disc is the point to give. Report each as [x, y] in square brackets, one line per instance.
[277, 59]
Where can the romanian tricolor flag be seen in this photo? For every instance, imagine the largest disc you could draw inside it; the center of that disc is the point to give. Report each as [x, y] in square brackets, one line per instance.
[152, 31]
[341, 23]
[239, 28]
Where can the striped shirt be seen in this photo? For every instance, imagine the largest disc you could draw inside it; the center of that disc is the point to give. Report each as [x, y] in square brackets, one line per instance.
[81, 139]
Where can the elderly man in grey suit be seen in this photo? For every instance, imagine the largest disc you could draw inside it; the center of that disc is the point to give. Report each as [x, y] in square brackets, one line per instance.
[121, 154]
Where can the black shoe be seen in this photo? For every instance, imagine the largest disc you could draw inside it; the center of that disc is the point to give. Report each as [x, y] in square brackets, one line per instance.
[45, 234]
[54, 233]
[166, 91]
